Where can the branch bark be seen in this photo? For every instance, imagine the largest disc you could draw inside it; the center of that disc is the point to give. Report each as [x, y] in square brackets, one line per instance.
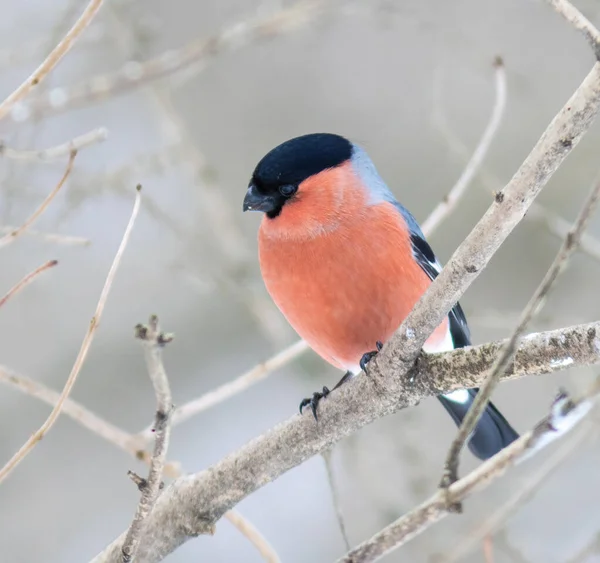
[192, 504]
[154, 340]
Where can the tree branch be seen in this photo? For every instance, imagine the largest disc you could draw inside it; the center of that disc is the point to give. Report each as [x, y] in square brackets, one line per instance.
[508, 351]
[26, 280]
[192, 504]
[58, 151]
[10, 237]
[154, 340]
[239, 384]
[52, 59]
[28, 446]
[564, 415]
[134, 73]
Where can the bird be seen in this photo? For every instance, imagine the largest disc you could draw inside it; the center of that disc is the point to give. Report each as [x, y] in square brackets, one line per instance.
[345, 263]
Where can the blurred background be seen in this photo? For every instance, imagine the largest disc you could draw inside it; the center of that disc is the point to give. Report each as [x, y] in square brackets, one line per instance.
[413, 82]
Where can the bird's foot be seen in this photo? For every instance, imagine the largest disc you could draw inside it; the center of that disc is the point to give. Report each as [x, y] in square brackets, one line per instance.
[366, 358]
[314, 401]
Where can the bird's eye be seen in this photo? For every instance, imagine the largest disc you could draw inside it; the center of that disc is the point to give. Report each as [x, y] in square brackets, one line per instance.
[288, 190]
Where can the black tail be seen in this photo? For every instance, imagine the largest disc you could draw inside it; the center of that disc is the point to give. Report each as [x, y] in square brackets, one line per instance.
[492, 433]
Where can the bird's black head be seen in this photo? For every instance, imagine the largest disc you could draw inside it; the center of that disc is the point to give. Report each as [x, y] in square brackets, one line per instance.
[278, 175]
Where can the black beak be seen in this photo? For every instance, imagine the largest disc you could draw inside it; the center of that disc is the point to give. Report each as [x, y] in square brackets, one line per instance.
[255, 201]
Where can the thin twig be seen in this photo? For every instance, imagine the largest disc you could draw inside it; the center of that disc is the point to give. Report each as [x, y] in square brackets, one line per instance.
[256, 538]
[241, 383]
[52, 59]
[495, 520]
[58, 151]
[51, 237]
[154, 341]
[488, 549]
[134, 74]
[81, 356]
[445, 207]
[565, 414]
[27, 279]
[508, 351]
[95, 424]
[10, 237]
[335, 497]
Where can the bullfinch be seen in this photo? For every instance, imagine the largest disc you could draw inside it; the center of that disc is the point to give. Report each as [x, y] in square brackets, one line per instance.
[345, 263]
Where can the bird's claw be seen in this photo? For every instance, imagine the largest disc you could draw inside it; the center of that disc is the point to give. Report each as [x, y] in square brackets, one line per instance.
[366, 358]
[314, 401]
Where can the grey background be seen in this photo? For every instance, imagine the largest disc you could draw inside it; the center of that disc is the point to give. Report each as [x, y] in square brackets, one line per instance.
[369, 71]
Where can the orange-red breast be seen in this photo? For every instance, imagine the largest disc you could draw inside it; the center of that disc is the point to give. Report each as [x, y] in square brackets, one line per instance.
[345, 263]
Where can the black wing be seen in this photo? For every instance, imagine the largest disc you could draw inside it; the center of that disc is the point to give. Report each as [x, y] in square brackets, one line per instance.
[459, 330]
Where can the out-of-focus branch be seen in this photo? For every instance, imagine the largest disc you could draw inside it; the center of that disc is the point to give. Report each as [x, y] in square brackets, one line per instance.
[508, 351]
[134, 74]
[564, 415]
[58, 151]
[154, 340]
[123, 440]
[27, 279]
[445, 207]
[81, 356]
[228, 390]
[258, 540]
[10, 237]
[51, 237]
[232, 243]
[52, 59]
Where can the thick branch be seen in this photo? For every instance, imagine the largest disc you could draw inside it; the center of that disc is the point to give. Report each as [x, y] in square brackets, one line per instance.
[192, 504]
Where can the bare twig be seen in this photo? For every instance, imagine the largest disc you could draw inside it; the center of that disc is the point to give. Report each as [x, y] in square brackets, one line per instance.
[495, 520]
[241, 383]
[135, 74]
[10, 237]
[58, 151]
[445, 207]
[52, 59]
[564, 415]
[85, 346]
[258, 540]
[335, 497]
[123, 440]
[27, 279]
[154, 340]
[488, 549]
[508, 351]
[50, 237]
